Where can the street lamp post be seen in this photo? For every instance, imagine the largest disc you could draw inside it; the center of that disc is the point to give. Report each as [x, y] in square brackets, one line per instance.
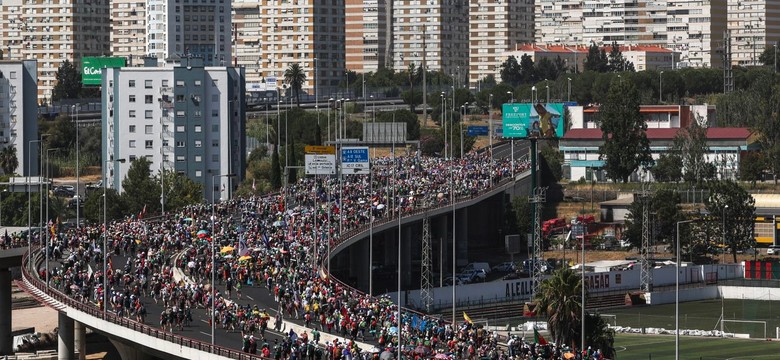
[547, 86]
[533, 94]
[465, 110]
[47, 232]
[214, 253]
[511, 96]
[568, 97]
[105, 235]
[29, 196]
[677, 294]
[77, 107]
[725, 207]
[661, 86]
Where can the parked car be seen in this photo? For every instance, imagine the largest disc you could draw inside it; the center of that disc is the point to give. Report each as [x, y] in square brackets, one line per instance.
[505, 267]
[64, 190]
[477, 266]
[76, 199]
[773, 250]
[473, 276]
[95, 186]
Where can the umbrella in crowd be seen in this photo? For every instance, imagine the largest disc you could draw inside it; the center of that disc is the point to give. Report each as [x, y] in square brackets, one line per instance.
[227, 249]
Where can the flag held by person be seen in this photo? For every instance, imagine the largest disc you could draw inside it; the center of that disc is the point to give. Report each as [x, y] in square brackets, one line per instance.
[467, 318]
[538, 338]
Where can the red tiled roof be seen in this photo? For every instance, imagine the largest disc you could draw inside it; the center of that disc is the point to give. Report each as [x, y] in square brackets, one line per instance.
[664, 134]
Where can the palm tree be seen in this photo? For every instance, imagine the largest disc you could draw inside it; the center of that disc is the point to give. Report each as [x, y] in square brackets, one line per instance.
[295, 77]
[8, 160]
[559, 298]
[599, 336]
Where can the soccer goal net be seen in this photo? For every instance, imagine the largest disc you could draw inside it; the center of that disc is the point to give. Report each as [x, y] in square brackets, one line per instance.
[753, 328]
[611, 319]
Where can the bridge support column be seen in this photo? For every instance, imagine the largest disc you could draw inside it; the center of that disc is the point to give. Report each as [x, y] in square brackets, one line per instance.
[406, 256]
[81, 340]
[6, 341]
[128, 352]
[65, 338]
[462, 236]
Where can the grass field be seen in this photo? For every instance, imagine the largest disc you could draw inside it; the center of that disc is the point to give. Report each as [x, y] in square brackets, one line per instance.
[661, 347]
[703, 315]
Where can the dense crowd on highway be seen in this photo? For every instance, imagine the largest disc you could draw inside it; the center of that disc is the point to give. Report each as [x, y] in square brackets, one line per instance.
[279, 243]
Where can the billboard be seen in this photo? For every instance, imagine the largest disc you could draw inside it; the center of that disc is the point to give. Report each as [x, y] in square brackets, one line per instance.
[384, 132]
[354, 160]
[533, 120]
[91, 68]
[320, 164]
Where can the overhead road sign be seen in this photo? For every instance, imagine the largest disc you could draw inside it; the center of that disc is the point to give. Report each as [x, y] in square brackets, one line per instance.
[354, 160]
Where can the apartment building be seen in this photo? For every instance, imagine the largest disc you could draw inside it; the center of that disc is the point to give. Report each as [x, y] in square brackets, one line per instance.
[753, 25]
[275, 34]
[188, 118]
[365, 34]
[52, 32]
[19, 112]
[128, 30]
[692, 28]
[494, 27]
[444, 24]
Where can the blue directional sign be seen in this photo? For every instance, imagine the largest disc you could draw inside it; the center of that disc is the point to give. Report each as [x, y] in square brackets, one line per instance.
[473, 130]
[354, 160]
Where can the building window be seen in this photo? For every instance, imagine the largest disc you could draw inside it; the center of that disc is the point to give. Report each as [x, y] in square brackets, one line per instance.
[131, 98]
[179, 98]
[198, 173]
[215, 113]
[180, 144]
[132, 113]
[149, 144]
[131, 144]
[148, 99]
[148, 114]
[133, 158]
[179, 128]
[215, 144]
[179, 82]
[149, 129]
[197, 113]
[131, 83]
[197, 82]
[180, 158]
[215, 158]
[13, 74]
[131, 129]
[198, 143]
[198, 158]
[215, 128]
[148, 84]
[198, 128]
[179, 113]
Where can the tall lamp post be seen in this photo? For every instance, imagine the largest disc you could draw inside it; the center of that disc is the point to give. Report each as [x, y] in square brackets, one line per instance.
[511, 96]
[661, 86]
[105, 235]
[214, 252]
[29, 196]
[76, 109]
[462, 119]
[533, 94]
[568, 97]
[725, 207]
[47, 232]
[677, 294]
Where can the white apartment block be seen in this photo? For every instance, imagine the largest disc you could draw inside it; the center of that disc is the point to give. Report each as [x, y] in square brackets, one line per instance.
[692, 28]
[365, 34]
[695, 30]
[754, 25]
[495, 27]
[247, 48]
[305, 32]
[445, 24]
[19, 112]
[54, 31]
[184, 28]
[128, 30]
[187, 118]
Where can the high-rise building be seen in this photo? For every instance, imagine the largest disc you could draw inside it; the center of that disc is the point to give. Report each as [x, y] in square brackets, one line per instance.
[52, 32]
[754, 25]
[185, 118]
[444, 26]
[19, 112]
[692, 28]
[307, 32]
[128, 30]
[695, 30]
[495, 27]
[366, 34]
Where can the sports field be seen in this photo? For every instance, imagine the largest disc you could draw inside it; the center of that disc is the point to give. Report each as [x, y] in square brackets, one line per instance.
[704, 315]
[661, 347]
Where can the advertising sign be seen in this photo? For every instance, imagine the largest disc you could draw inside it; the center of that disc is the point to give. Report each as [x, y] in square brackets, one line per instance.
[533, 120]
[354, 160]
[314, 149]
[91, 68]
[474, 130]
[320, 164]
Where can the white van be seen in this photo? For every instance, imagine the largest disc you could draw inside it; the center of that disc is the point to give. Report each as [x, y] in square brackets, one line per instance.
[476, 266]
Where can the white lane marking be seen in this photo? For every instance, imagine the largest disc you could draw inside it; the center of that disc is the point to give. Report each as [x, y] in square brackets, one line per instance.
[250, 298]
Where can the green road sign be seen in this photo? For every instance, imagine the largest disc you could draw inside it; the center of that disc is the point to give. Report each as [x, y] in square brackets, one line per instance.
[91, 68]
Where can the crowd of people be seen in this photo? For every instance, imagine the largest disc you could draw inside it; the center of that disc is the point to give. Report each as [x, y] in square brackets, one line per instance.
[279, 242]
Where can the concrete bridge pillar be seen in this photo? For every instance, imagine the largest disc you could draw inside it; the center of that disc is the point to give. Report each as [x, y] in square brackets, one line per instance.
[462, 236]
[80, 332]
[65, 338]
[6, 341]
[128, 352]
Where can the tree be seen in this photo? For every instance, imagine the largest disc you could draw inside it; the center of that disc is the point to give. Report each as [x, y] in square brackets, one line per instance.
[292, 174]
[690, 145]
[404, 116]
[276, 175]
[560, 299]
[294, 76]
[596, 60]
[528, 72]
[140, 190]
[598, 335]
[664, 213]
[617, 62]
[93, 206]
[626, 146]
[768, 57]
[521, 209]
[68, 84]
[667, 168]
[510, 71]
[62, 133]
[734, 207]
[554, 160]
[8, 160]
[180, 190]
[751, 167]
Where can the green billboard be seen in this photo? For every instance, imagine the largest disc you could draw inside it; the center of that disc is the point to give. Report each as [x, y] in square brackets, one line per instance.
[533, 120]
[91, 68]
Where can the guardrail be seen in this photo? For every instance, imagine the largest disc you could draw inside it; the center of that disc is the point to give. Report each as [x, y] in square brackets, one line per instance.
[128, 323]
